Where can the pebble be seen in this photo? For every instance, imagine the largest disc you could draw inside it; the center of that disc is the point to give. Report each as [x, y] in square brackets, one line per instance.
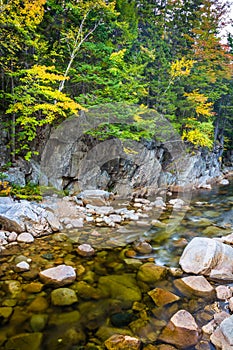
[22, 266]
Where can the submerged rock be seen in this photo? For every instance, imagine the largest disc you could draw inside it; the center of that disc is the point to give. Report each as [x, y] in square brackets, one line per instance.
[162, 297]
[64, 319]
[38, 322]
[63, 296]
[150, 273]
[25, 341]
[181, 331]
[122, 288]
[5, 313]
[122, 342]
[59, 275]
[85, 250]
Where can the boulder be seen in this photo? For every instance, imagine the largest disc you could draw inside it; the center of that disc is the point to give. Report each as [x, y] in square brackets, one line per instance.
[59, 275]
[96, 197]
[181, 331]
[122, 342]
[208, 257]
[226, 328]
[63, 296]
[195, 285]
[24, 216]
[218, 339]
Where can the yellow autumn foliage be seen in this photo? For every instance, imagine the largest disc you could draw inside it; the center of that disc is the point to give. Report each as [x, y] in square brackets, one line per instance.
[202, 107]
[5, 188]
[181, 68]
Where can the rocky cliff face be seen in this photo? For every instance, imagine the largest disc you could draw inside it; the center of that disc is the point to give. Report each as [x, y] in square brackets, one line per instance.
[75, 160]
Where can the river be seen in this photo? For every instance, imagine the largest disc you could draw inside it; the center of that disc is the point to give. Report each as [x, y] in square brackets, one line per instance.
[101, 310]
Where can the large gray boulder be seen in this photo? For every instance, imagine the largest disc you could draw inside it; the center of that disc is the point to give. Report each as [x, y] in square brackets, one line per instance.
[28, 217]
[208, 257]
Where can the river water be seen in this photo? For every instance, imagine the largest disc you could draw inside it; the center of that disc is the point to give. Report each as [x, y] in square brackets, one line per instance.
[101, 310]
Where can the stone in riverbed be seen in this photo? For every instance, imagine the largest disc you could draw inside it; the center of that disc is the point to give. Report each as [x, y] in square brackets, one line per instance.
[58, 276]
[226, 328]
[223, 292]
[86, 291]
[22, 266]
[150, 273]
[195, 285]
[53, 221]
[63, 296]
[65, 318]
[143, 247]
[220, 340]
[13, 288]
[25, 237]
[224, 182]
[25, 341]
[181, 331]
[39, 304]
[33, 287]
[122, 342]
[85, 250]
[162, 297]
[120, 287]
[38, 322]
[5, 313]
[96, 197]
[209, 257]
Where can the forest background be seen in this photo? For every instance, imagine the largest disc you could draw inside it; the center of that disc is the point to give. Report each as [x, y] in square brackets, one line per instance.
[58, 57]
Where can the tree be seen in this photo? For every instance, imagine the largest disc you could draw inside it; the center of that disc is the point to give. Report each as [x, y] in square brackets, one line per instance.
[37, 102]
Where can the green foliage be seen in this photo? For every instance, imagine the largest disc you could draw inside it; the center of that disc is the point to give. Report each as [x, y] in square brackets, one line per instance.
[56, 56]
[29, 192]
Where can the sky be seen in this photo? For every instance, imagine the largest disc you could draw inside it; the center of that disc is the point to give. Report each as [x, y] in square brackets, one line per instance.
[228, 28]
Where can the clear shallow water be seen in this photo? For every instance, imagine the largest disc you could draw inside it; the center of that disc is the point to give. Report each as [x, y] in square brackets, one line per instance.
[87, 323]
